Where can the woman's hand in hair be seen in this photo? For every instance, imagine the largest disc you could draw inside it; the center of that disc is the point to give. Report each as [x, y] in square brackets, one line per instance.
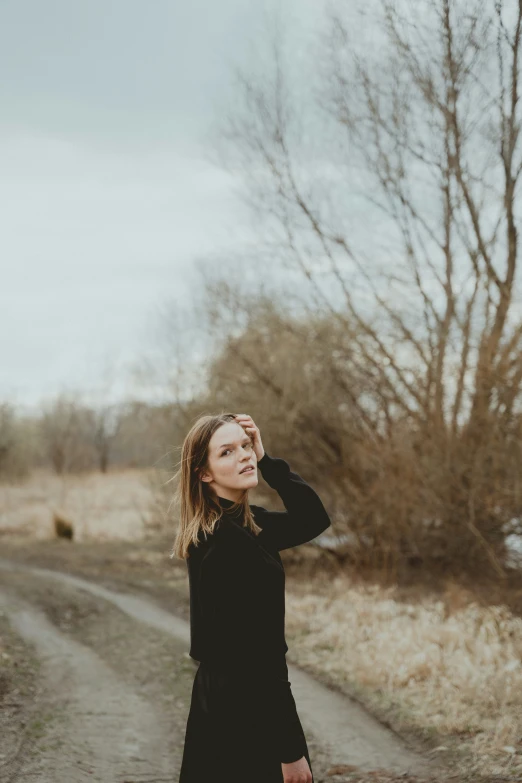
[251, 429]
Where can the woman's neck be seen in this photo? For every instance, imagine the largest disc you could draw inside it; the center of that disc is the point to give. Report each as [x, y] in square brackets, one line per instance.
[226, 504]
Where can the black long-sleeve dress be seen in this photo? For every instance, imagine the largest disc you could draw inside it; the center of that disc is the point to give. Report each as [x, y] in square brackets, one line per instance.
[242, 720]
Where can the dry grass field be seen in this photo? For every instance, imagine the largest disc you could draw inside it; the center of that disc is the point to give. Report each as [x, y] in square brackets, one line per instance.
[446, 669]
[118, 505]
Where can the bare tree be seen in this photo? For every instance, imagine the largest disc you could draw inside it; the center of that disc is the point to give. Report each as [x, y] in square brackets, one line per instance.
[106, 420]
[7, 436]
[424, 128]
[66, 429]
[17, 449]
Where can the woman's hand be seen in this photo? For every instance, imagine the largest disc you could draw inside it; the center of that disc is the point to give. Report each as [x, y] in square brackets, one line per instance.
[297, 772]
[250, 428]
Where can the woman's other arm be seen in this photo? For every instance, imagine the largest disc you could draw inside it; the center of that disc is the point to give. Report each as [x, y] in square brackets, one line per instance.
[305, 516]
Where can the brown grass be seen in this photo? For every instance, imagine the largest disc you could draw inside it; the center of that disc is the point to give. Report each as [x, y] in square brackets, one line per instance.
[448, 666]
[118, 505]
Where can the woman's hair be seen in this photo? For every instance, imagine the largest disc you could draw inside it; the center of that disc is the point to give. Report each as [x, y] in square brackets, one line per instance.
[199, 508]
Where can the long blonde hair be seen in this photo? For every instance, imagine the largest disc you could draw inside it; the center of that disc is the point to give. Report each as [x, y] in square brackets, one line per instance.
[199, 510]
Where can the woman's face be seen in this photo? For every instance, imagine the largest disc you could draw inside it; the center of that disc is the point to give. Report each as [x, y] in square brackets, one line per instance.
[230, 451]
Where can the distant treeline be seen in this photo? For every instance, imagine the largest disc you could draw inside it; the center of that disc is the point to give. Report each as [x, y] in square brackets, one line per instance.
[69, 436]
[408, 490]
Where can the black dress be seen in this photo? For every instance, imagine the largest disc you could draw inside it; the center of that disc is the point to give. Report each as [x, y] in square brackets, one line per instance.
[243, 721]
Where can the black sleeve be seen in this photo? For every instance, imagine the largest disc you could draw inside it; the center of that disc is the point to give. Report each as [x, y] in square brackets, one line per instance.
[291, 742]
[305, 516]
[239, 640]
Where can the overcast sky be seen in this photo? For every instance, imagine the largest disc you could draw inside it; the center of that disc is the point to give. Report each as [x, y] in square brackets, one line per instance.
[107, 196]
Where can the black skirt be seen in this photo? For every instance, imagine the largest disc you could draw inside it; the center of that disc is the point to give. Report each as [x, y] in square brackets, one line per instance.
[231, 731]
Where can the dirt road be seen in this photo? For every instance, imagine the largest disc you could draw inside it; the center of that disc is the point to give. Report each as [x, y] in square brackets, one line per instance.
[112, 691]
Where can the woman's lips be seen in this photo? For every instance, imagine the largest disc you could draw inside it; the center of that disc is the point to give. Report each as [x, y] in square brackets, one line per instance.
[247, 470]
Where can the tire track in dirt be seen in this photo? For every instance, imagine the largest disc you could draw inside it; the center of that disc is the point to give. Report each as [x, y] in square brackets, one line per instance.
[101, 728]
[343, 730]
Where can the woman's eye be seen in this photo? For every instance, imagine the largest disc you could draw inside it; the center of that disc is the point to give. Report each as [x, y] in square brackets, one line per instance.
[247, 446]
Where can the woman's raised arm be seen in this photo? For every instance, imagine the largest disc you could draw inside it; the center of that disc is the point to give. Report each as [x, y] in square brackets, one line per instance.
[305, 516]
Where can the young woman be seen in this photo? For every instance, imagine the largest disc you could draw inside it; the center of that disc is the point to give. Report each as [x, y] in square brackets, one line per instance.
[242, 723]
